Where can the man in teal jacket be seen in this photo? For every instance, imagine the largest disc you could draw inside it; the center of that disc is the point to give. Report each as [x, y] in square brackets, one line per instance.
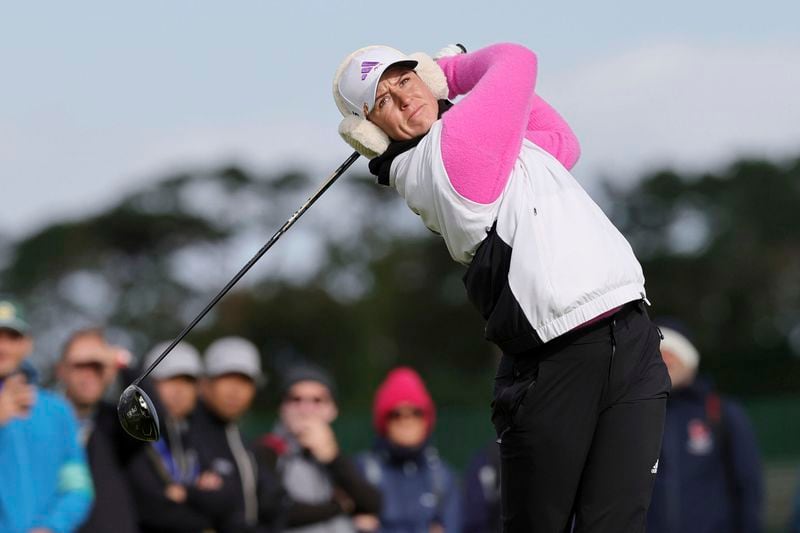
[46, 484]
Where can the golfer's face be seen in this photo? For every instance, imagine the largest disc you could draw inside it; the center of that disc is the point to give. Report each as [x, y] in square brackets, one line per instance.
[404, 106]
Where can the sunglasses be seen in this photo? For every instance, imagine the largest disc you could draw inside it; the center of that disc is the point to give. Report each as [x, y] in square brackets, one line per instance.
[96, 366]
[406, 413]
[315, 400]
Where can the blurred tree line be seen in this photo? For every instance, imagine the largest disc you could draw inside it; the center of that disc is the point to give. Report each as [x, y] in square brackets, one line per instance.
[359, 286]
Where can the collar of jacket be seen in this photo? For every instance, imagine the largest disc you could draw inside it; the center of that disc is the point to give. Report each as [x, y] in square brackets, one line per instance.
[402, 454]
[381, 165]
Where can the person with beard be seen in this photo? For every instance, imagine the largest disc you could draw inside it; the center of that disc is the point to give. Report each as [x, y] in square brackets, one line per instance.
[172, 493]
[419, 490]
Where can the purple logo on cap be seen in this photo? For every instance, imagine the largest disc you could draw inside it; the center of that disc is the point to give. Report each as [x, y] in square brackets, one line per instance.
[367, 67]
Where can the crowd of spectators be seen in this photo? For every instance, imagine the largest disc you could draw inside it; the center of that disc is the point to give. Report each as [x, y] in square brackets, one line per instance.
[67, 465]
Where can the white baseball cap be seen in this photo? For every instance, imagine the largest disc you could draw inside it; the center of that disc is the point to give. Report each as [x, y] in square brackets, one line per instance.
[183, 360]
[234, 355]
[359, 75]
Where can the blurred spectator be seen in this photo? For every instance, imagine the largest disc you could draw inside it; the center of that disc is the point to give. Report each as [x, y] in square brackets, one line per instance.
[324, 486]
[46, 481]
[419, 490]
[87, 367]
[709, 473]
[794, 525]
[482, 491]
[172, 493]
[233, 371]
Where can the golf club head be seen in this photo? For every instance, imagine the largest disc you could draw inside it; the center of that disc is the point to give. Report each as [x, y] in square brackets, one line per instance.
[137, 414]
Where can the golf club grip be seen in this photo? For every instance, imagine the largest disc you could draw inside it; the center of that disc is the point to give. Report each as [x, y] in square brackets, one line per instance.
[292, 219]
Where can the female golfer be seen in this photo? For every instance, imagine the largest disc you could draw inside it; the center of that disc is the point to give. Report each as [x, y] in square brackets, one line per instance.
[580, 392]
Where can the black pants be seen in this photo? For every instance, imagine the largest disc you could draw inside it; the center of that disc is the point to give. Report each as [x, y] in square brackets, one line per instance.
[579, 421]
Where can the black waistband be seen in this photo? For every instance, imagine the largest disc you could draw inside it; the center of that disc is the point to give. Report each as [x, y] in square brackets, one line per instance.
[594, 332]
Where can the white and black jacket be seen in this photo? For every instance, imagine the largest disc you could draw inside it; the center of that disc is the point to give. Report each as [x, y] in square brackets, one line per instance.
[543, 258]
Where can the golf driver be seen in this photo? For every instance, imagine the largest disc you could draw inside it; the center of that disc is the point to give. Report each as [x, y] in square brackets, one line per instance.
[136, 412]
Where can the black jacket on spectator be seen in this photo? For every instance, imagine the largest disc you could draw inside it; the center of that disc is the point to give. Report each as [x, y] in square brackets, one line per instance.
[110, 450]
[482, 491]
[258, 499]
[203, 509]
[352, 493]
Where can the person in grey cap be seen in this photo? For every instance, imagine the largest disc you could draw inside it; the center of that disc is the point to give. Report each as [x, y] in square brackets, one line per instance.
[233, 375]
[173, 492]
[325, 487]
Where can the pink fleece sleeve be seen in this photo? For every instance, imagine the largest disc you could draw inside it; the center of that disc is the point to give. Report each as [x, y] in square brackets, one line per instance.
[482, 134]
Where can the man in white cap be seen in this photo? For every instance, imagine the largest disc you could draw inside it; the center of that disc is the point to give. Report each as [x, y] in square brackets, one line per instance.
[233, 375]
[709, 473]
[173, 492]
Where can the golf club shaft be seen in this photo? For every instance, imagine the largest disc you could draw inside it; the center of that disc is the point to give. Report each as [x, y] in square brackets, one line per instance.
[303, 208]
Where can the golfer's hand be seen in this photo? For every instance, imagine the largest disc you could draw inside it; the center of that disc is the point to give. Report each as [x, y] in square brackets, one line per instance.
[16, 398]
[450, 50]
[318, 438]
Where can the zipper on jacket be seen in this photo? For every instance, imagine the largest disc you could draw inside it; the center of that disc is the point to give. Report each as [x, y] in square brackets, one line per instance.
[613, 350]
[500, 437]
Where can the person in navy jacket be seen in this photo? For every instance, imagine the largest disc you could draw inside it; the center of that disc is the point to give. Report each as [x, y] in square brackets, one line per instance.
[419, 490]
[709, 475]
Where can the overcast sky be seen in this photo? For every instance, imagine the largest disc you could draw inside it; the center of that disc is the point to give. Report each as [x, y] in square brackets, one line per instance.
[98, 97]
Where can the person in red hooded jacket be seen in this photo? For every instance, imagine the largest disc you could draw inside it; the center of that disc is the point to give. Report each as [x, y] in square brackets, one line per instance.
[420, 493]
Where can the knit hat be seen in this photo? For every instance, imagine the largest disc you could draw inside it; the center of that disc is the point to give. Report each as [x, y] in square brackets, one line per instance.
[678, 344]
[349, 90]
[403, 386]
[307, 372]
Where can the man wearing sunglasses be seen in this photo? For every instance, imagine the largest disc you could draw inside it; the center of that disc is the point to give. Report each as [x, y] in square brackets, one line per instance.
[46, 483]
[324, 486]
[88, 366]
